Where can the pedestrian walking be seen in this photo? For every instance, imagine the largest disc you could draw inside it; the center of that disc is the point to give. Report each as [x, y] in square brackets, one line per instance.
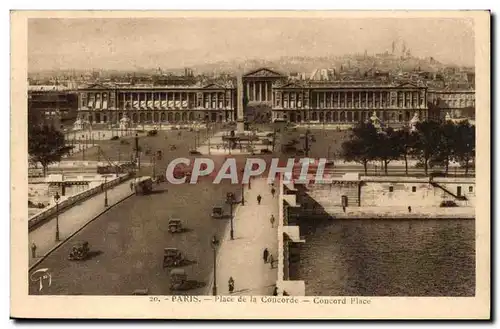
[231, 284]
[259, 199]
[271, 260]
[409, 209]
[272, 221]
[273, 191]
[33, 250]
[275, 291]
[131, 186]
[266, 255]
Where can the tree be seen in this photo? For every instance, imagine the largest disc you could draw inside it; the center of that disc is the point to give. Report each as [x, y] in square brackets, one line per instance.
[389, 147]
[427, 140]
[406, 144]
[465, 144]
[362, 146]
[446, 145]
[46, 145]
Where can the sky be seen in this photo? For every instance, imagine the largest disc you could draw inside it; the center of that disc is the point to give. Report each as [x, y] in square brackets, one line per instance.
[125, 43]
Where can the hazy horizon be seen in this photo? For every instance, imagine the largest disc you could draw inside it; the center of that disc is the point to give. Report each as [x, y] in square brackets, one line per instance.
[147, 43]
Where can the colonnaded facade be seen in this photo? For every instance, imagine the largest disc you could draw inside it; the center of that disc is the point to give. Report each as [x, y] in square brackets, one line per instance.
[276, 97]
[348, 102]
[156, 104]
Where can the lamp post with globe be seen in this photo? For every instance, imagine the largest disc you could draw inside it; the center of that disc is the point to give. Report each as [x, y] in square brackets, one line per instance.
[214, 243]
[56, 199]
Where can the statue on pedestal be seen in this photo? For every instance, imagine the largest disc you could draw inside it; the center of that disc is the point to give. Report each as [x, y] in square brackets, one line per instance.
[413, 122]
[376, 122]
[124, 122]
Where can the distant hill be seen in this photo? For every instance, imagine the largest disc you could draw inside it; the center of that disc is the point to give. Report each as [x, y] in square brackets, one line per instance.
[308, 64]
[288, 64]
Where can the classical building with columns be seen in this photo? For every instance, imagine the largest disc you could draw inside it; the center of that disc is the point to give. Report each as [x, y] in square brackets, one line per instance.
[348, 102]
[101, 104]
[451, 103]
[258, 92]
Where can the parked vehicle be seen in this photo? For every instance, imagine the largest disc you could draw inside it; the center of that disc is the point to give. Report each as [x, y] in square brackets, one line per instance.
[79, 251]
[174, 225]
[217, 212]
[172, 257]
[448, 203]
[153, 133]
[178, 279]
[143, 185]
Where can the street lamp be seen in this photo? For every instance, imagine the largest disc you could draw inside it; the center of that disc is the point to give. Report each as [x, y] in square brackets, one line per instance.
[105, 192]
[215, 243]
[56, 199]
[242, 188]
[230, 201]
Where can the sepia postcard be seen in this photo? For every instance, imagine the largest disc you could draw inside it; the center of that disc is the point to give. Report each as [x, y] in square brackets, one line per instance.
[250, 164]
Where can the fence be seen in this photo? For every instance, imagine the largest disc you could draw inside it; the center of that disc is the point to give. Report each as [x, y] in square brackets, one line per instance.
[39, 218]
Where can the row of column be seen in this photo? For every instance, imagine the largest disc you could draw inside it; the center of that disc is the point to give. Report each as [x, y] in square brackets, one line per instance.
[217, 100]
[259, 91]
[364, 99]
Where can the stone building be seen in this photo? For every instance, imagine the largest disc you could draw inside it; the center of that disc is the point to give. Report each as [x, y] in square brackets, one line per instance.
[452, 103]
[348, 102]
[102, 104]
[54, 105]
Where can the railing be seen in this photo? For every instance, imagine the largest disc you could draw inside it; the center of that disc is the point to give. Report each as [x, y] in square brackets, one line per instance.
[39, 218]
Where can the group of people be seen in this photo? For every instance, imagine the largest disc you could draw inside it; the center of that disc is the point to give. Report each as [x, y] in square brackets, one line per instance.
[273, 193]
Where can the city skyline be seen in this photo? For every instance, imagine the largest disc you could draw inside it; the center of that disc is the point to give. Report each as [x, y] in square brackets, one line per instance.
[146, 43]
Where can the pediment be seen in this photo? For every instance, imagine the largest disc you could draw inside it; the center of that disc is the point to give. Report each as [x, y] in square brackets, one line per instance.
[408, 85]
[263, 73]
[95, 86]
[213, 86]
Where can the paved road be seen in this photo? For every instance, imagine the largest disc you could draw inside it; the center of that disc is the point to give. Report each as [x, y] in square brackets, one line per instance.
[127, 244]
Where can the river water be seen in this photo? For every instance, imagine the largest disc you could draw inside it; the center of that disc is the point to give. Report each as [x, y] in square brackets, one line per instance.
[414, 257]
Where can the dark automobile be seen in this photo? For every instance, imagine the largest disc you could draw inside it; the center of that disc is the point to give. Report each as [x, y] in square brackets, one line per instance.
[448, 203]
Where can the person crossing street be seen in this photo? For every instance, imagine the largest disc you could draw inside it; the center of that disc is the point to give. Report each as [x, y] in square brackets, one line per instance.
[259, 199]
[231, 285]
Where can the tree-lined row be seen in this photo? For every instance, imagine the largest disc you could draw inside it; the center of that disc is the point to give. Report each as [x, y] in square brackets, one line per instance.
[432, 144]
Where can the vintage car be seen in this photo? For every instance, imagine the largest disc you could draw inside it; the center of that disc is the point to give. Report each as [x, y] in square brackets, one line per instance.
[79, 251]
[141, 292]
[178, 278]
[174, 225]
[217, 212]
[172, 257]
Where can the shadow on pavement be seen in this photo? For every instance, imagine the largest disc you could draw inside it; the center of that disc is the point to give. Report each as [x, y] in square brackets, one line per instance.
[158, 191]
[93, 254]
[192, 284]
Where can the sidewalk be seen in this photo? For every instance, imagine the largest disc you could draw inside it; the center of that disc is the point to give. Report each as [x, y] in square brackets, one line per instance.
[72, 219]
[242, 258]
